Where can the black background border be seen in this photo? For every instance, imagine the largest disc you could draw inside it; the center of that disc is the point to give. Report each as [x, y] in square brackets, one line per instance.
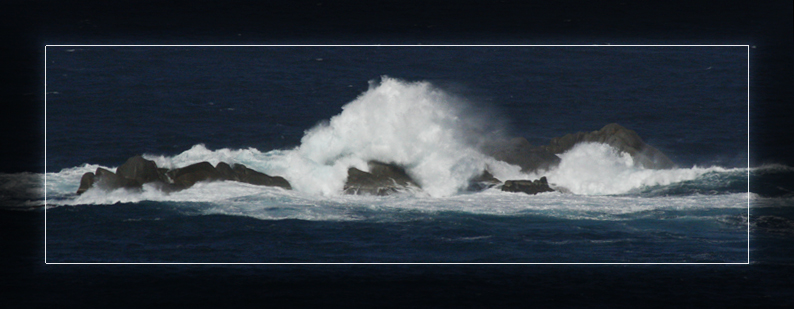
[30, 25]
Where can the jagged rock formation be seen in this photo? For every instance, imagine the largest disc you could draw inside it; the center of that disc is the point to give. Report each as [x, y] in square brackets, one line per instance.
[186, 177]
[244, 174]
[382, 179]
[518, 151]
[86, 182]
[141, 170]
[138, 171]
[108, 180]
[526, 186]
[385, 178]
[482, 182]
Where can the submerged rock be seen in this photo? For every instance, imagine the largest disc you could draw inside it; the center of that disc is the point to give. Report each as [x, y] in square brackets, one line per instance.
[527, 186]
[382, 179]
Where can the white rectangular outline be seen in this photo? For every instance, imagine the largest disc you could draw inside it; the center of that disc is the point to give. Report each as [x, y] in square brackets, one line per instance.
[388, 45]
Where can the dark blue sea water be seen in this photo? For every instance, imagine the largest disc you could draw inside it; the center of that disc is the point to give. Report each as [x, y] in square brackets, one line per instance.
[690, 102]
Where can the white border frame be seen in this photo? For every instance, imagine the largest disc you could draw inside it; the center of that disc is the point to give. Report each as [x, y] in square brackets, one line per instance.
[388, 45]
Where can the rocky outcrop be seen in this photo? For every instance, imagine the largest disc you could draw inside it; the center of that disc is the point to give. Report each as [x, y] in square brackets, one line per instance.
[518, 151]
[138, 171]
[86, 182]
[385, 179]
[482, 182]
[141, 170]
[108, 180]
[382, 179]
[527, 186]
[187, 176]
[243, 174]
[617, 136]
[225, 170]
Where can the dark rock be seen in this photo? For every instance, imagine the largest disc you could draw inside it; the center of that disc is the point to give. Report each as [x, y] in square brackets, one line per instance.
[139, 169]
[189, 175]
[108, 180]
[86, 182]
[162, 174]
[247, 175]
[226, 171]
[164, 183]
[482, 182]
[526, 186]
[360, 182]
[622, 139]
[519, 151]
[382, 179]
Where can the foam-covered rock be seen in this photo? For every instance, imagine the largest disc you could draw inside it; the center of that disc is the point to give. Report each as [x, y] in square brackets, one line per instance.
[108, 180]
[518, 151]
[483, 181]
[617, 136]
[382, 179]
[526, 186]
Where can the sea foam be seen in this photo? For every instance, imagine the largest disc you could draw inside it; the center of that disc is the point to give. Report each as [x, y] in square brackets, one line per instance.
[414, 125]
[599, 169]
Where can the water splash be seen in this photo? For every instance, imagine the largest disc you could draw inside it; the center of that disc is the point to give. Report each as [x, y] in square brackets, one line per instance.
[414, 125]
[599, 169]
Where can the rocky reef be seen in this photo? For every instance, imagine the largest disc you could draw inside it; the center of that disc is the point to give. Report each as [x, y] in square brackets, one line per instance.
[137, 171]
[518, 151]
[526, 186]
[538, 159]
[383, 178]
[386, 179]
[620, 138]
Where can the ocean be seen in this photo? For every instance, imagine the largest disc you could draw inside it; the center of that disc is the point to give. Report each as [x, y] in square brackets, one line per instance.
[308, 113]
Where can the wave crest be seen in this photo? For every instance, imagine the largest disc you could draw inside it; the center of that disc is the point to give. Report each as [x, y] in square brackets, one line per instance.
[599, 169]
[411, 124]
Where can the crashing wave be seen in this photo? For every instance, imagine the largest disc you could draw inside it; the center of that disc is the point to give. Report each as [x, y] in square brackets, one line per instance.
[441, 144]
